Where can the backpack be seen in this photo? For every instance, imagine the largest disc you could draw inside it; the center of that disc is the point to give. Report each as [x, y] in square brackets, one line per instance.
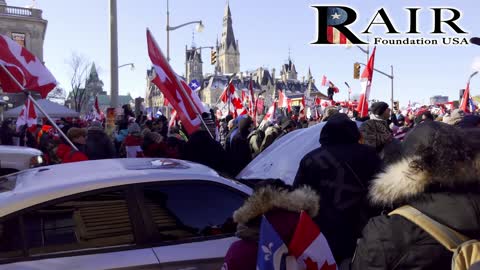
[466, 251]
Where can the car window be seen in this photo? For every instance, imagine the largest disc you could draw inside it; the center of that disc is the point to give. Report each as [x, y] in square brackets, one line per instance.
[183, 211]
[10, 239]
[90, 221]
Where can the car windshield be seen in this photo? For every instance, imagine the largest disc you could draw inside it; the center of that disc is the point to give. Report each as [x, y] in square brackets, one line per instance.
[8, 182]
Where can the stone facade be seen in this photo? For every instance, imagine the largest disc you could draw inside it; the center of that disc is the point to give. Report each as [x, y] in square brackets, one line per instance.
[193, 64]
[27, 27]
[24, 25]
[154, 98]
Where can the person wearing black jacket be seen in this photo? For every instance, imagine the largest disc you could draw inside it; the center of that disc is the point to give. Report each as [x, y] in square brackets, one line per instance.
[239, 150]
[439, 175]
[99, 145]
[340, 171]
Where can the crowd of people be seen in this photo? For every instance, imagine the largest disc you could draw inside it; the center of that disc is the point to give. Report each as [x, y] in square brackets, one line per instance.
[363, 170]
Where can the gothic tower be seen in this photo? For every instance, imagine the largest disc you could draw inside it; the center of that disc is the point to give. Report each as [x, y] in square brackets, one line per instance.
[228, 51]
[194, 64]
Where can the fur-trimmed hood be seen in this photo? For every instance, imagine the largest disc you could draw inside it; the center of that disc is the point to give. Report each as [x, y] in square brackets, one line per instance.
[269, 198]
[401, 182]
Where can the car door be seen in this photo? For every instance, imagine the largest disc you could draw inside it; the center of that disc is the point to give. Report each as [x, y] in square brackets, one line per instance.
[95, 230]
[192, 222]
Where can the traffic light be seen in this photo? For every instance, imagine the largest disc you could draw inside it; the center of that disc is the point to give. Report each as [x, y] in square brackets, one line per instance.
[356, 71]
[213, 57]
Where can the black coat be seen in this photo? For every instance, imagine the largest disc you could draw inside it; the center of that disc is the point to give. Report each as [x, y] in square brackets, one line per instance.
[99, 146]
[340, 171]
[201, 148]
[239, 151]
[396, 243]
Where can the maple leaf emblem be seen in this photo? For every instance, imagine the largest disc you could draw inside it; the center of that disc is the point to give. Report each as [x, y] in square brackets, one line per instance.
[310, 264]
[29, 57]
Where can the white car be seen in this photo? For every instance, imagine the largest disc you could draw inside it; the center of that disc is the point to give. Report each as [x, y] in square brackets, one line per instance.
[16, 158]
[117, 214]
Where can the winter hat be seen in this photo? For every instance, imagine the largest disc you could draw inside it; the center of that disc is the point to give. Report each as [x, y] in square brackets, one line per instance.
[378, 108]
[339, 129]
[375, 133]
[134, 128]
[329, 111]
[74, 133]
[455, 117]
[423, 115]
[96, 126]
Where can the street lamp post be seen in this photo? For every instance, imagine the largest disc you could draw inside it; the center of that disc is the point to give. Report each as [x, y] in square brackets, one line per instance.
[113, 55]
[200, 28]
[132, 65]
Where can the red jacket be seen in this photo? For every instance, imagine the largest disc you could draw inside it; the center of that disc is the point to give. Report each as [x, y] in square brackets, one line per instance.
[67, 154]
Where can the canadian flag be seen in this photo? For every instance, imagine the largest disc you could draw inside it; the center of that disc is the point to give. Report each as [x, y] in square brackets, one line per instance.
[28, 115]
[173, 90]
[302, 113]
[284, 101]
[466, 104]
[230, 98]
[25, 67]
[366, 83]
[310, 247]
[98, 113]
[270, 116]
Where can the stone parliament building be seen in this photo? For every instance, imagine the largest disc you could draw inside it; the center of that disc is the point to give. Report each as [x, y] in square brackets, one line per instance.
[265, 82]
[27, 27]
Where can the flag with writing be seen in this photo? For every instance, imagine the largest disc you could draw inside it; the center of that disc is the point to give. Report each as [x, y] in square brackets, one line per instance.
[366, 83]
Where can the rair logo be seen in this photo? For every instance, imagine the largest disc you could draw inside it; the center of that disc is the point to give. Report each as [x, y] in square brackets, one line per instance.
[333, 26]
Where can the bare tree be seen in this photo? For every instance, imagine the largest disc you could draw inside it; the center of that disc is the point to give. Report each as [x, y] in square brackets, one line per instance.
[57, 95]
[78, 67]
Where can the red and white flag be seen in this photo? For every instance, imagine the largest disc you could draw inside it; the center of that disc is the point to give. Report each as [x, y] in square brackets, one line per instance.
[270, 117]
[464, 104]
[324, 80]
[28, 115]
[310, 247]
[173, 119]
[167, 81]
[98, 113]
[284, 101]
[302, 113]
[25, 67]
[252, 103]
[193, 96]
[366, 83]
[234, 104]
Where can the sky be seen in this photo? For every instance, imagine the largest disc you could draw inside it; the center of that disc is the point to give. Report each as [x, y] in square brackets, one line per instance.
[266, 30]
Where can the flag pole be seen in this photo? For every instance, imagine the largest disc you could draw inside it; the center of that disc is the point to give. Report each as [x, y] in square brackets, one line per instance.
[29, 96]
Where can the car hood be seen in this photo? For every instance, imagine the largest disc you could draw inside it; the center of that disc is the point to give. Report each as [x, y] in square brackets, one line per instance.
[7, 149]
[282, 159]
